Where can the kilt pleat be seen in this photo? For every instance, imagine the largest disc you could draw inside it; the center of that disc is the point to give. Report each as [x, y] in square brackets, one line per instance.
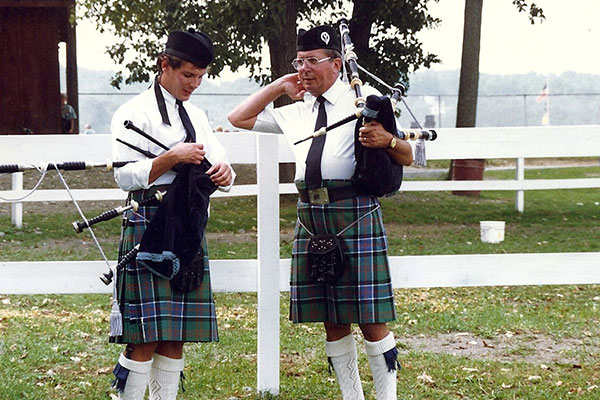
[364, 292]
[152, 311]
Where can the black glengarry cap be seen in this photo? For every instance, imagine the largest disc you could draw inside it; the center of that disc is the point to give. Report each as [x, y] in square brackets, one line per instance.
[192, 46]
[319, 37]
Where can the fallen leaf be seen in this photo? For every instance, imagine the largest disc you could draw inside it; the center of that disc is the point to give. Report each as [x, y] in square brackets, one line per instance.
[426, 378]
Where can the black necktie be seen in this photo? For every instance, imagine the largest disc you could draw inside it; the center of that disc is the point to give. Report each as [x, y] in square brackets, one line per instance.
[187, 124]
[313, 159]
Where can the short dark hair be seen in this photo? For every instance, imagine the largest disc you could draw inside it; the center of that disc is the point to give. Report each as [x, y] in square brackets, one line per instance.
[173, 61]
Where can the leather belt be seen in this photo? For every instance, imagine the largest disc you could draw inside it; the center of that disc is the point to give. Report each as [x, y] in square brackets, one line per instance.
[142, 194]
[326, 195]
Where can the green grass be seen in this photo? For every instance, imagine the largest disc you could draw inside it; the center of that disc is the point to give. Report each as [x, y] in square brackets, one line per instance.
[55, 346]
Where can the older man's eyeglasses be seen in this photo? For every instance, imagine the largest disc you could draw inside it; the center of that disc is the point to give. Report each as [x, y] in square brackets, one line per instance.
[310, 61]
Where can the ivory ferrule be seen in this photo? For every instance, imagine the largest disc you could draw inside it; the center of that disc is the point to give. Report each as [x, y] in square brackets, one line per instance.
[350, 55]
[355, 81]
[360, 102]
[320, 132]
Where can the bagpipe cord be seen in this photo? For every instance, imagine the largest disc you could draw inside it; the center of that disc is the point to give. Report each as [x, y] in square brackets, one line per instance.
[116, 321]
[39, 182]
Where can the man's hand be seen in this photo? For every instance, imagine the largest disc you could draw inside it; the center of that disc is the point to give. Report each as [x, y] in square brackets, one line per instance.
[244, 114]
[220, 174]
[373, 135]
[181, 153]
[188, 153]
[292, 86]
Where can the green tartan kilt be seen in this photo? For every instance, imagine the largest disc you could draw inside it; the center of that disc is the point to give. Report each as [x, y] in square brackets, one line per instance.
[151, 310]
[364, 292]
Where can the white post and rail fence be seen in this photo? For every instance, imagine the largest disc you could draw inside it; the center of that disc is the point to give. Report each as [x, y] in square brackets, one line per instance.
[268, 274]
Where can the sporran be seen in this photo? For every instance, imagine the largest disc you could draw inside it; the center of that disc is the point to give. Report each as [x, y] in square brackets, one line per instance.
[326, 260]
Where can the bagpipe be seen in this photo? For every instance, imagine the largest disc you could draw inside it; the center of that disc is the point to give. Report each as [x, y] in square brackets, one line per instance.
[190, 190]
[65, 166]
[79, 226]
[373, 110]
[107, 277]
[372, 113]
[84, 165]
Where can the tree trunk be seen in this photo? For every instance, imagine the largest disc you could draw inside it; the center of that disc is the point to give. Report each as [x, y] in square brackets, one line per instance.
[282, 50]
[466, 112]
[360, 25]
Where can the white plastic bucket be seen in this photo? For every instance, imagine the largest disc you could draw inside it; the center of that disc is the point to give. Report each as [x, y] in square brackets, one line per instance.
[491, 231]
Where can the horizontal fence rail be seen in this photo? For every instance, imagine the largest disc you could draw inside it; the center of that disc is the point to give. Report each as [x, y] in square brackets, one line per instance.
[42, 277]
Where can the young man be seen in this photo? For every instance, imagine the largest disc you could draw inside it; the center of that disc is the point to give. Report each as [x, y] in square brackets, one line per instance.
[363, 294]
[158, 316]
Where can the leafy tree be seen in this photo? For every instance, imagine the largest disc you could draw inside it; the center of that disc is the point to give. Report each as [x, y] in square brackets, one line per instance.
[383, 31]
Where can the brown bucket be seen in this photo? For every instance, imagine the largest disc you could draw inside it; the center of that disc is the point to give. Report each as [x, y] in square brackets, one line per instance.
[467, 170]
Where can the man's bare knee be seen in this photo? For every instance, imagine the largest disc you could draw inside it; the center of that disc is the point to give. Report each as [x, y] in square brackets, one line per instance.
[374, 332]
[170, 349]
[140, 351]
[336, 331]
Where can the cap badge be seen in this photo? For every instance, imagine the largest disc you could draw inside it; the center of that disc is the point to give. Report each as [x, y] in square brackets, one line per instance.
[325, 37]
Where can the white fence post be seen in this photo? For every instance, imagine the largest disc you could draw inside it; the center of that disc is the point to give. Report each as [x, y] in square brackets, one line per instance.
[267, 174]
[520, 176]
[17, 208]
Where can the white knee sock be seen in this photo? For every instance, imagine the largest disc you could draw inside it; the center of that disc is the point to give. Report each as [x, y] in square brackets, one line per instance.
[136, 379]
[164, 377]
[342, 355]
[383, 361]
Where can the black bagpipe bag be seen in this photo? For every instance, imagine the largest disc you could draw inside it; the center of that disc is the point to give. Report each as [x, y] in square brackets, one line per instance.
[171, 244]
[376, 173]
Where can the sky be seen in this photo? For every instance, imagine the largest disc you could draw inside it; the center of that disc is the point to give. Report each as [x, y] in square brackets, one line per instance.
[568, 40]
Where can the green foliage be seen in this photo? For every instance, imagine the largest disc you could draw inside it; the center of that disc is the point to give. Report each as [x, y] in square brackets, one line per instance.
[535, 12]
[241, 28]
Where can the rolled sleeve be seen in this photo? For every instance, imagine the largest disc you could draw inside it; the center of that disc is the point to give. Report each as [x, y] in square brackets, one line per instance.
[133, 175]
[266, 122]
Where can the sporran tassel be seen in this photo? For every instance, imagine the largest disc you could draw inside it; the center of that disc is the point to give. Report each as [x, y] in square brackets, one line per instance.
[116, 319]
[391, 359]
[181, 379]
[121, 373]
[420, 158]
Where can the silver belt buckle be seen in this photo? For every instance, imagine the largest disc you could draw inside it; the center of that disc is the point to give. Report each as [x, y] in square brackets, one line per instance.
[318, 196]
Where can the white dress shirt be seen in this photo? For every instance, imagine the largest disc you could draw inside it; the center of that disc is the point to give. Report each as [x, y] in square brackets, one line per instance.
[143, 111]
[297, 121]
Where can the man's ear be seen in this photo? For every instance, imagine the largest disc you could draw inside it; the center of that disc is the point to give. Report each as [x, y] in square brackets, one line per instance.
[164, 64]
[338, 63]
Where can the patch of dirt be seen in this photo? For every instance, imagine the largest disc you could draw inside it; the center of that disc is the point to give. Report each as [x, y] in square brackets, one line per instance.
[531, 348]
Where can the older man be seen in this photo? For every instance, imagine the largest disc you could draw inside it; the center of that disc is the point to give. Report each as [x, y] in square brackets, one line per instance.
[330, 204]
